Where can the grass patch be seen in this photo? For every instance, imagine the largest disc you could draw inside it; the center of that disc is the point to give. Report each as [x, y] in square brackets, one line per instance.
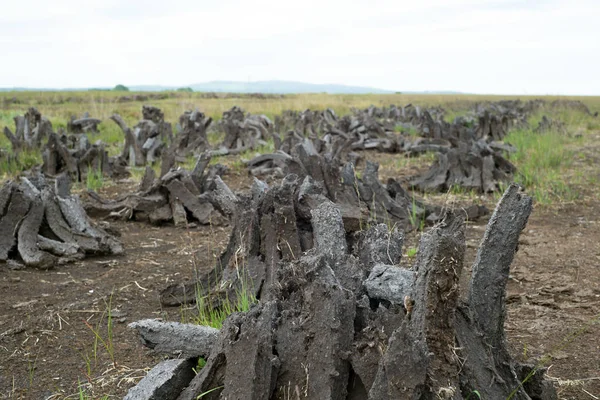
[458, 190]
[410, 130]
[403, 162]
[110, 133]
[411, 252]
[99, 338]
[94, 179]
[199, 365]
[452, 114]
[208, 315]
[13, 163]
[83, 394]
[215, 137]
[541, 161]
[137, 173]
[593, 125]
[267, 148]
[237, 162]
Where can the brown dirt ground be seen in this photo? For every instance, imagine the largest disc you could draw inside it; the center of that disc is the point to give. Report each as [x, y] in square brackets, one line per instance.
[46, 317]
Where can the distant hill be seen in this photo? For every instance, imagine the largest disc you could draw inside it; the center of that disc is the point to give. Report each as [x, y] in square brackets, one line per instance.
[282, 87]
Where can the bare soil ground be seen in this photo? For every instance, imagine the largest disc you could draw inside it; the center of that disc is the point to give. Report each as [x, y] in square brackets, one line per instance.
[47, 318]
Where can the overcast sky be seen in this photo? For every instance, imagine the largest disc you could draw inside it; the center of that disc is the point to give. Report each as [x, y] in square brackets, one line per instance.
[477, 46]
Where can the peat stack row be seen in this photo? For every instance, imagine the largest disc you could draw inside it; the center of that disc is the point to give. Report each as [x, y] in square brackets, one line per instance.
[262, 238]
[75, 155]
[343, 321]
[333, 148]
[31, 129]
[547, 124]
[42, 226]
[476, 165]
[388, 129]
[191, 139]
[368, 132]
[71, 153]
[144, 144]
[485, 125]
[305, 123]
[576, 105]
[490, 120]
[177, 196]
[403, 116]
[384, 203]
[85, 124]
[243, 132]
[370, 129]
[362, 130]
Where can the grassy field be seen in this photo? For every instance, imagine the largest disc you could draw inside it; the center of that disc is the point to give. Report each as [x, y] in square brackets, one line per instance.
[544, 161]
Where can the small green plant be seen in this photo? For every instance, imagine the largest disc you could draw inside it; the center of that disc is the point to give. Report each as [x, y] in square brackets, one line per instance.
[201, 395]
[209, 315]
[410, 131]
[82, 394]
[88, 360]
[31, 367]
[137, 173]
[414, 218]
[199, 365]
[459, 190]
[474, 392]
[107, 342]
[238, 165]
[413, 132]
[411, 252]
[94, 178]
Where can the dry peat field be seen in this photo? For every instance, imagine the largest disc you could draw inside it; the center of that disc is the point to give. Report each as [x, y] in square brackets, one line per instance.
[362, 280]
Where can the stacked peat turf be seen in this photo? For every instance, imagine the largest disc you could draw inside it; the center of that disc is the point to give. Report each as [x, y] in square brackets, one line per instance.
[191, 139]
[547, 124]
[337, 318]
[385, 203]
[307, 122]
[85, 124]
[178, 196]
[43, 226]
[144, 144]
[75, 155]
[31, 128]
[243, 131]
[476, 165]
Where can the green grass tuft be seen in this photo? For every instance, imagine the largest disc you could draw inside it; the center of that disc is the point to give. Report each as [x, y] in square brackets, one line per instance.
[541, 161]
[12, 164]
[94, 179]
[208, 315]
[411, 252]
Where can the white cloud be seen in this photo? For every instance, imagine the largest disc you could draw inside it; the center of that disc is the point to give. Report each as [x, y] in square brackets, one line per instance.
[498, 46]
